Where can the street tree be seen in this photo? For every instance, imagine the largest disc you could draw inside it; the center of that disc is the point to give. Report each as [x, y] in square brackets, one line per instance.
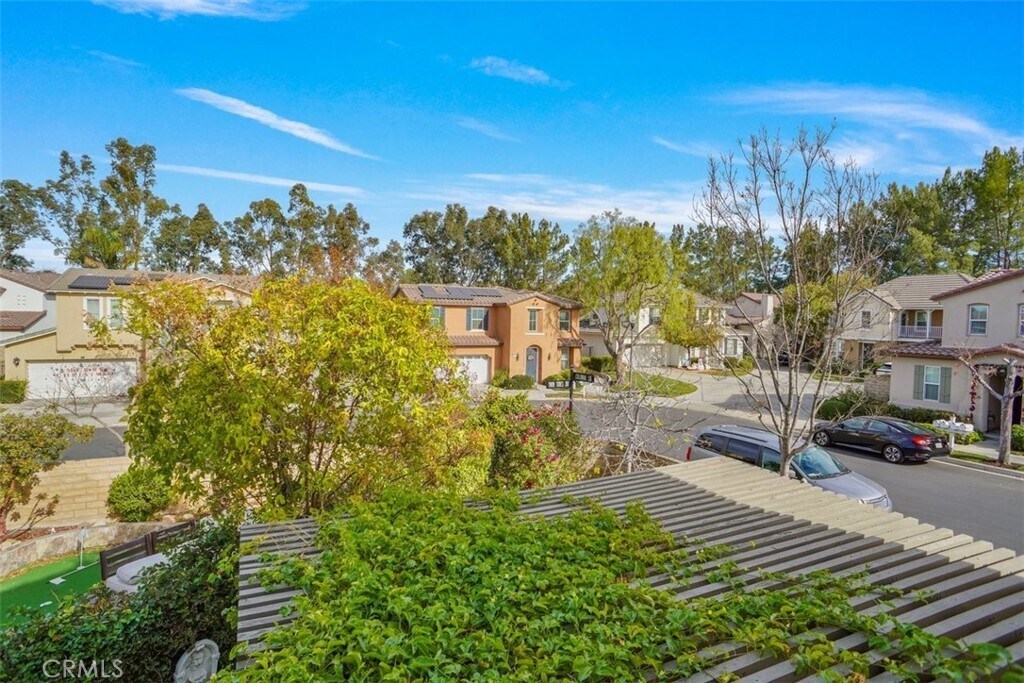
[620, 265]
[309, 395]
[1012, 374]
[801, 213]
[29, 445]
[20, 221]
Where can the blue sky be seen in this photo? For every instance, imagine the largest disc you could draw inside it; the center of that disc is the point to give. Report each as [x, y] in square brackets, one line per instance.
[561, 110]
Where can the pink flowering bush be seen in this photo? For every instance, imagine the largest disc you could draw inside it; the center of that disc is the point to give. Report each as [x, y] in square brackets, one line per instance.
[533, 446]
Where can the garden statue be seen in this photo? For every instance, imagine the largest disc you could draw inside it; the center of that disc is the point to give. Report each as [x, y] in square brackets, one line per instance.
[198, 664]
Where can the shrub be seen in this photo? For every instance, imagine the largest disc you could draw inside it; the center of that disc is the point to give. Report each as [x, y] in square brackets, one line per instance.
[599, 363]
[853, 403]
[961, 439]
[190, 597]
[520, 382]
[12, 390]
[138, 494]
[744, 363]
[1017, 438]
[500, 378]
[532, 446]
[564, 374]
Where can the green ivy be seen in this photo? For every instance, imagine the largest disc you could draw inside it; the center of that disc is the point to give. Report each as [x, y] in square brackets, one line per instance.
[419, 586]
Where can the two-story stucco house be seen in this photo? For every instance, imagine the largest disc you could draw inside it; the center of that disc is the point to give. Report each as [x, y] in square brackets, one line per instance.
[495, 328]
[648, 349]
[983, 323]
[24, 307]
[62, 360]
[900, 310]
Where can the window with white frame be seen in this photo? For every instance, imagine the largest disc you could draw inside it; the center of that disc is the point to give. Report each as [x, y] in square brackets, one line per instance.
[865, 318]
[564, 320]
[932, 381]
[437, 316]
[977, 319]
[476, 319]
[93, 310]
[533, 320]
[565, 359]
[116, 318]
[733, 346]
[655, 316]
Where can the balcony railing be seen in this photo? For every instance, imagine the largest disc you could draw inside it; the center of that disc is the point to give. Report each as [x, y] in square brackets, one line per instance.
[914, 332]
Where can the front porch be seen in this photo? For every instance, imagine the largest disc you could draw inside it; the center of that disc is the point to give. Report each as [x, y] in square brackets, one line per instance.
[919, 324]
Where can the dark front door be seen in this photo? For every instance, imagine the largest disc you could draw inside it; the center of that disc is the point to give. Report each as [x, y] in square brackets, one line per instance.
[533, 362]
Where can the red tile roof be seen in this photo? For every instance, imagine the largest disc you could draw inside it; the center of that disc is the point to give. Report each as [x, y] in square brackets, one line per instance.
[477, 296]
[571, 342]
[985, 280]
[932, 349]
[18, 320]
[472, 340]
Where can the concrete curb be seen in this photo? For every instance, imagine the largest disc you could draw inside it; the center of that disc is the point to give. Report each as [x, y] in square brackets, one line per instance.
[980, 466]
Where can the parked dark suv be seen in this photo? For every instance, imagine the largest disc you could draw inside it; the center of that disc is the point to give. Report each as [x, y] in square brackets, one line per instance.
[896, 440]
[811, 464]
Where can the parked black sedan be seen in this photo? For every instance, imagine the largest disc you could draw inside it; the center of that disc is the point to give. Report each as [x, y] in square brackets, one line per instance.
[896, 440]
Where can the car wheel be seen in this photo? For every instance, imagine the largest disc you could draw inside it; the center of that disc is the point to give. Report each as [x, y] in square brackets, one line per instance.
[893, 453]
[822, 438]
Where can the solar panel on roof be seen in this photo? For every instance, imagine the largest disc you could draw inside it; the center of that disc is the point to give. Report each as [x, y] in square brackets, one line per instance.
[123, 280]
[460, 293]
[429, 292]
[90, 282]
[486, 291]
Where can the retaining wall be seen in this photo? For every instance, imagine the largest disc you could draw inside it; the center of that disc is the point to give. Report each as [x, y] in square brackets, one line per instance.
[14, 556]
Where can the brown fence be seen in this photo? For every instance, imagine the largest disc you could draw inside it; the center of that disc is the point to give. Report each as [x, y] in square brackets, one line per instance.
[114, 558]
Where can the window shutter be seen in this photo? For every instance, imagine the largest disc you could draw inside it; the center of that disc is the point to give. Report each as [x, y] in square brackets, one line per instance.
[945, 384]
[469, 318]
[487, 317]
[918, 382]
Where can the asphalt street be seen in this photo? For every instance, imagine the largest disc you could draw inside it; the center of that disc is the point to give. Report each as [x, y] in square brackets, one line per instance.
[985, 505]
[104, 444]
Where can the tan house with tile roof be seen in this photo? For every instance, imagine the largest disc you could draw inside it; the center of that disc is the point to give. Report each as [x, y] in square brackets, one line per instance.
[61, 359]
[983, 322]
[495, 328]
[898, 311]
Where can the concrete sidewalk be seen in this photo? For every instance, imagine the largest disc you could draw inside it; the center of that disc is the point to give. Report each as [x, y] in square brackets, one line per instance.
[989, 448]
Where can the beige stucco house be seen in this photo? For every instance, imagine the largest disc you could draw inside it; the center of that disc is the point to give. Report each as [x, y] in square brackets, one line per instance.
[898, 311]
[63, 360]
[648, 349]
[983, 323]
[752, 316]
[495, 328]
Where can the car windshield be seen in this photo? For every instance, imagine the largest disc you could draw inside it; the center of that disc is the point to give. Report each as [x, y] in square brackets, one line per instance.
[913, 428]
[817, 463]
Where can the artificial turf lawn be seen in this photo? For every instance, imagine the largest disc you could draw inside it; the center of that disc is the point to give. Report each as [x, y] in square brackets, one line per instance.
[33, 587]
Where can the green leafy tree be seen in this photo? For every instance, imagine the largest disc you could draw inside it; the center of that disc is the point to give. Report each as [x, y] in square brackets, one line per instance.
[72, 205]
[311, 394]
[620, 265]
[189, 244]
[681, 323]
[531, 254]
[262, 241]
[447, 248]
[385, 268]
[30, 444]
[997, 213]
[20, 221]
[131, 207]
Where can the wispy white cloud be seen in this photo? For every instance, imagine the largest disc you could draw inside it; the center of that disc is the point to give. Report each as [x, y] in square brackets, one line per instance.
[114, 59]
[262, 10]
[258, 179]
[484, 128]
[895, 107]
[566, 200]
[695, 149]
[513, 70]
[268, 118]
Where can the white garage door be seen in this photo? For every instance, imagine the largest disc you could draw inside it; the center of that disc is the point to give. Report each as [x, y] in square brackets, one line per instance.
[477, 368]
[80, 379]
[648, 355]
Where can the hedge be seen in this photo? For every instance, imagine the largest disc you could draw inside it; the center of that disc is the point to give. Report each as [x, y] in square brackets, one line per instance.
[520, 382]
[961, 439]
[563, 375]
[852, 403]
[12, 390]
[1017, 438]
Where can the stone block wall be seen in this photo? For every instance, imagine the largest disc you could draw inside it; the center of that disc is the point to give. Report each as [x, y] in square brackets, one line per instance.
[877, 387]
[82, 486]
